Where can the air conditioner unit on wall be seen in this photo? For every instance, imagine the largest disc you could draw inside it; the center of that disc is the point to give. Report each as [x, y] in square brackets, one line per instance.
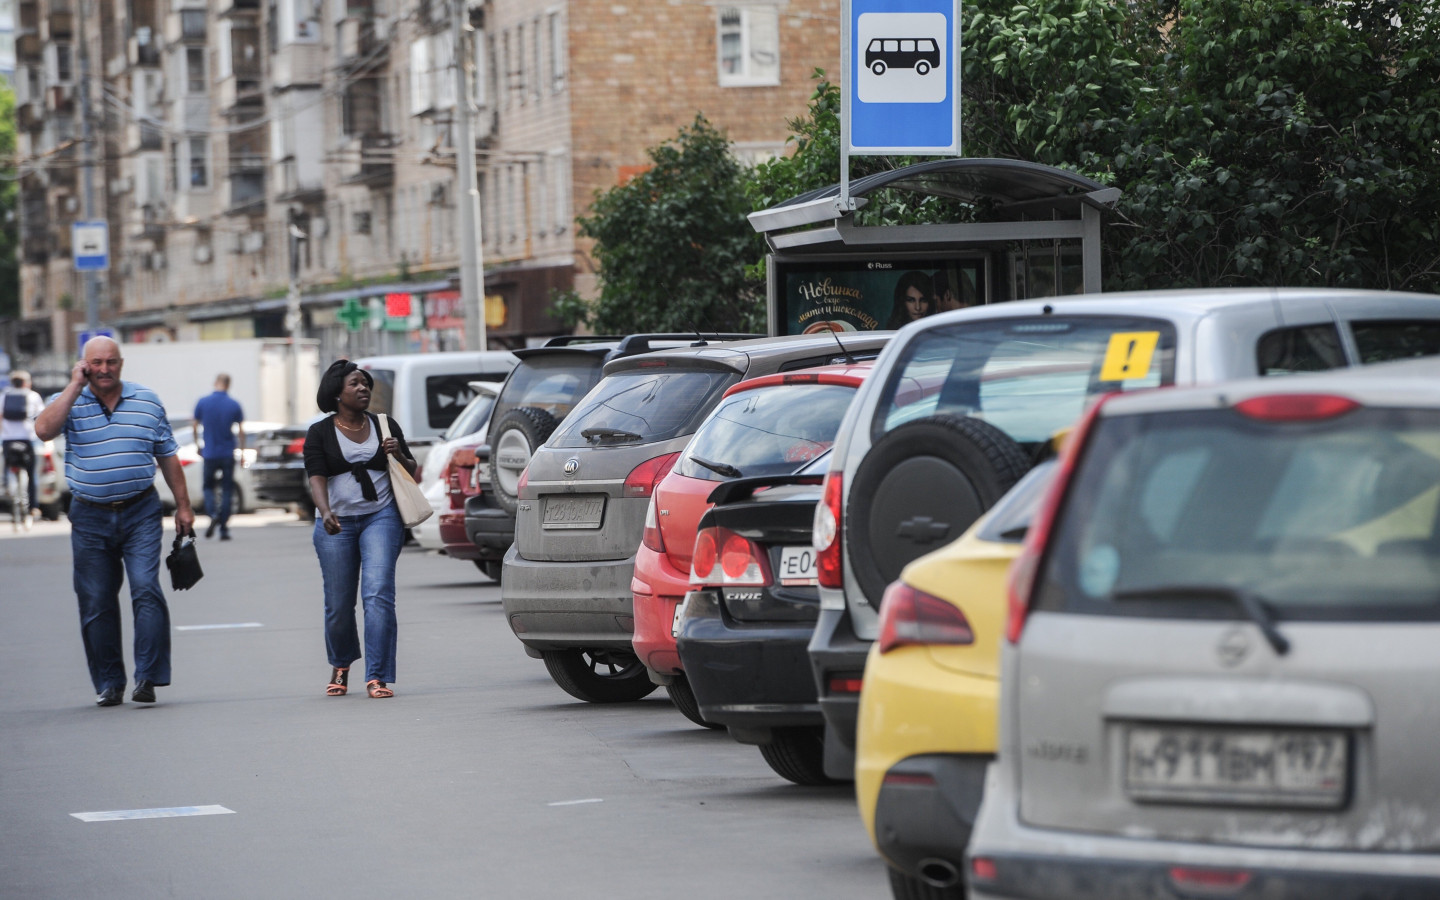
[157, 260]
[202, 253]
[252, 242]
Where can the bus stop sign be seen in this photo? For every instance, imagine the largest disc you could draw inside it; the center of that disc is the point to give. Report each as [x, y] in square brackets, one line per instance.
[904, 77]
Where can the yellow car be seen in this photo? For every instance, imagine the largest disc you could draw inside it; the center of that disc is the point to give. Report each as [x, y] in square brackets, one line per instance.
[928, 721]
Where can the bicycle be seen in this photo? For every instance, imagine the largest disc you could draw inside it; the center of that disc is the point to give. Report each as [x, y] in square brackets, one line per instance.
[18, 455]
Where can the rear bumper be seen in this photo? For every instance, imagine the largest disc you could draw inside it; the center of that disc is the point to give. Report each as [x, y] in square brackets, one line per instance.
[452, 535]
[750, 677]
[280, 483]
[657, 588]
[837, 657]
[564, 605]
[1046, 864]
[489, 529]
[925, 812]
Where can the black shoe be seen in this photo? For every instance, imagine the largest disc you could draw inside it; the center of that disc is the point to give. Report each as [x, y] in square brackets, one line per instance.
[210, 531]
[114, 696]
[224, 534]
[144, 692]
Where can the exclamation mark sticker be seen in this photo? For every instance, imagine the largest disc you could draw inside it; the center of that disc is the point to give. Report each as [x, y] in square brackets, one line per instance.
[1129, 355]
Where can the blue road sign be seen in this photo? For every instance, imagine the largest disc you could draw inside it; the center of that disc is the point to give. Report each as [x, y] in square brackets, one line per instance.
[90, 245]
[904, 66]
[84, 337]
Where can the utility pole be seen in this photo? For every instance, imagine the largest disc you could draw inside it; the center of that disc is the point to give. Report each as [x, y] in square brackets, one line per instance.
[292, 319]
[87, 170]
[467, 195]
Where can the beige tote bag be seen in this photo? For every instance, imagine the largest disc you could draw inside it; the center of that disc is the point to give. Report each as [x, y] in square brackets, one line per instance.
[414, 508]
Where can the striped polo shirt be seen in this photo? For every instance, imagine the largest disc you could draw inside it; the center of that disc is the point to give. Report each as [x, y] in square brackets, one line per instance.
[111, 455]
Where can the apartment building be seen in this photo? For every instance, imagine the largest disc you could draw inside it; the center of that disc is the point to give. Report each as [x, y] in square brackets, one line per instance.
[243, 144]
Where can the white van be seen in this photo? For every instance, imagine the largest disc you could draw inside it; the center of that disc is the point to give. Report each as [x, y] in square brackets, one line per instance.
[426, 392]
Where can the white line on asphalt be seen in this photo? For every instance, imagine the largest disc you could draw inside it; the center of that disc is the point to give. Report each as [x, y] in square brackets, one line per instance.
[575, 802]
[115, 815]
[214, 627]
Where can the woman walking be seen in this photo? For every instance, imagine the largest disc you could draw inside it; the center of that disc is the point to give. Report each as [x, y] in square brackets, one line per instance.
[358, 532]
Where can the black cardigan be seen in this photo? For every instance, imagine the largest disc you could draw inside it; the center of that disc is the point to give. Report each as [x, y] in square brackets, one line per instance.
[323, 457]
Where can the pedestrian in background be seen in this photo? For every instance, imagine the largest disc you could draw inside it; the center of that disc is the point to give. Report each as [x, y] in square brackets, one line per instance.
[116, 434]
[358, 533]
[215, 415]
[17, 430]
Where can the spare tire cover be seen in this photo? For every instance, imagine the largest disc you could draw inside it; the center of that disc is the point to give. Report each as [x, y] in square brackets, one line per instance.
[512, 442]
[919, 488]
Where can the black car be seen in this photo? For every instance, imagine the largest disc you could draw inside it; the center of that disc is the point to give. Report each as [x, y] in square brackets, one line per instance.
[744, 649]
[278, 472]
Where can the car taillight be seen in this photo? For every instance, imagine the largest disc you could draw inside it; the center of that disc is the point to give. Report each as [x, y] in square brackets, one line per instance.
[524, 482]
[1027, 564]
[463, 456]
[641, 481]
[723, 558]
[295, 447]
[910, 617]
[652, 537]
[1296, 407]
[49, 465]
[825, 533]
[1188, 879]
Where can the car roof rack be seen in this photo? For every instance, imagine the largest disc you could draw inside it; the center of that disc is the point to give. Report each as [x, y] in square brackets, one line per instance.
[565, 340]
[644, 343]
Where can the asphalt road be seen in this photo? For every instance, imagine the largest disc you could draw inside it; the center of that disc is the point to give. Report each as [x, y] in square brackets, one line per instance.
[481, 778]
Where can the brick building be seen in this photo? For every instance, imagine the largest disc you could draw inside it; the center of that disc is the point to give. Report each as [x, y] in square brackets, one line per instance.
[234, 137]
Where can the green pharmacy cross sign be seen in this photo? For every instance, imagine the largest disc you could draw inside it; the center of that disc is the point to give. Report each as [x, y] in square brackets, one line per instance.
[353, 314]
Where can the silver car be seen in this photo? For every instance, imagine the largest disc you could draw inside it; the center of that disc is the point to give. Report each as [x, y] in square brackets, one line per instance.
[1220, 676]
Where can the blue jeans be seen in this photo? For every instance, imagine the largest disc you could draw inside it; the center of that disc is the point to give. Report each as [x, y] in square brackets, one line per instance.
[362, 556]
[108, 545]
[218, 497]
[31, 461]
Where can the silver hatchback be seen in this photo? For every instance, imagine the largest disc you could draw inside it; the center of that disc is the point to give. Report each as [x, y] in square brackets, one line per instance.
[1221, 673]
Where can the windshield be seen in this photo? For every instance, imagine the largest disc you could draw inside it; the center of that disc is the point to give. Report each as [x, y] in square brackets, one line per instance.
[766, 431]
[643, 406]
[471, 418]
[1326, 519]
[1028, 377]
[552, 383]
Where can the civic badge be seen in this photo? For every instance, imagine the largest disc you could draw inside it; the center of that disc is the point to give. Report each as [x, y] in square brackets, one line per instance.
[572, 465]
[1233, 647]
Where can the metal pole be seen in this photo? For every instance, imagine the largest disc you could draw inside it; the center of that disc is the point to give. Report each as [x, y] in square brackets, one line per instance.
[293, 321]
[467, 195]
[844, 204]
[87, 171]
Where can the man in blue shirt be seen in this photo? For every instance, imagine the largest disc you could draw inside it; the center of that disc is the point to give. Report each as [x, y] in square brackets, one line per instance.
[116, 434]
[214, 416]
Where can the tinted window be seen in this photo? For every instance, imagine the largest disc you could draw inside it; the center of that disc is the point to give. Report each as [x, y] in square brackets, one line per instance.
[643, 406]
[1011, 517]
[1384, 341]
[382, 393]
[768, 431]
[1312, 348]
[447, 395]
[1331, 519]
[552, 383]
[471, 418]
[1029, 377]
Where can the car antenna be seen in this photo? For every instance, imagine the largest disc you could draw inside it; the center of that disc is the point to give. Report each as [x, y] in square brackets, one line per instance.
[699, 340]
[849, 360]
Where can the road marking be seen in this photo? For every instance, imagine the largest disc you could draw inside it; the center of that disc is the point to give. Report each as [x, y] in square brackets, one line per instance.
[170, 813]
[575, 802]
[216, 627]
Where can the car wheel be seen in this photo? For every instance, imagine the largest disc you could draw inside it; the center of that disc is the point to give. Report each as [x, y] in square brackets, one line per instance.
[877, 67]
[305, 509]
[903, 887]
[512, 442]
[490, 567]
[684, 699]
[922, 68]
[50, 512]
[798, 755]
[919, 488]
[599, 676]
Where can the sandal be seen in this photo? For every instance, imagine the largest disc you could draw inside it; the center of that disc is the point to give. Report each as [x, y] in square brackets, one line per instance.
[378, 690]
[339, 682]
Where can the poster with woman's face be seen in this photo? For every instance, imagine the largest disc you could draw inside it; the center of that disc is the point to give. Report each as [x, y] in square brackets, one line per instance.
[872, 295]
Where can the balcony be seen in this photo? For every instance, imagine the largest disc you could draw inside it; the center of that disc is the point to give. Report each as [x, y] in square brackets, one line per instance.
[61, 21]
[297, 65]
[370, 159]
[60, 97]
[142, 136]
[237, 8]
[293, 188]
[35, 246]
[143, 54]
[361, 37]
[29, 115]
[247, 184]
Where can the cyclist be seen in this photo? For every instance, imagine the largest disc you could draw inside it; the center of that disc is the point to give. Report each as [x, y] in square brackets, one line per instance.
[20, 406]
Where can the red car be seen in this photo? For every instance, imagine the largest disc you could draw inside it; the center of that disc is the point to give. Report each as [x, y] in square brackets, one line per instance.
[773, 425]
[459, 479]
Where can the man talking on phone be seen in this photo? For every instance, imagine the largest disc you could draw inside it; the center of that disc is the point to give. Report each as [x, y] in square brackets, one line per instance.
[116, 434]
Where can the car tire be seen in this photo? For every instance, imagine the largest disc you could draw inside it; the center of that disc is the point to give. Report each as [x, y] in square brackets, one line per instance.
[903, 887]
[919, 487]
[683, 697]
[599, 676]
[491, 568]
[798, 755]
[512, 442]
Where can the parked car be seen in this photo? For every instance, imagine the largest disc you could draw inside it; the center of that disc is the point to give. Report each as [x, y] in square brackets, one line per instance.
[244, 500]
[1219, 660]
[996, 382]
[278, 471]
[927, 719]
[773, 425]
[50, 487]
[426, 392]
[566, 587]
[433, 477]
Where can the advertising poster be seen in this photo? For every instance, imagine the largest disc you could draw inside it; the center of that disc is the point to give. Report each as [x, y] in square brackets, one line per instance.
[872, 295]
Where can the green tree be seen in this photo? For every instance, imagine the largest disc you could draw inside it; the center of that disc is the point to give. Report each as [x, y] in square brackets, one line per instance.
[673, 242]
[9, 214]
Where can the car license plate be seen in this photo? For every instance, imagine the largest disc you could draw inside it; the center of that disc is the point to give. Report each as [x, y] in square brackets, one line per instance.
[797, 566]
[1249, 767]
[480, 475]
[679, 616]
[574, 512]
[271, 451]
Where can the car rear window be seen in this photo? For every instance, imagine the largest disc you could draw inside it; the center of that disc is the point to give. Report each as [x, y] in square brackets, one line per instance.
[552, 383]
[767, 431]
[1332, 519]
[1029, 377]
[447, 395]
[643, 406]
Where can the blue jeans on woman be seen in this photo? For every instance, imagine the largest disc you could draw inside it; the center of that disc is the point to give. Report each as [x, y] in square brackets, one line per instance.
[108, 545]
[361, 557]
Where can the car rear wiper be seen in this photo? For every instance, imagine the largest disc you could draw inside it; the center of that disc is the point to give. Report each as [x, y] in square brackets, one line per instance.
[1253, 605]
[725, 469]
[596, 435]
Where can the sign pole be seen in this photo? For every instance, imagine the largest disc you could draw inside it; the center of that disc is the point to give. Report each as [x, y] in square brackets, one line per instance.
[845, 204]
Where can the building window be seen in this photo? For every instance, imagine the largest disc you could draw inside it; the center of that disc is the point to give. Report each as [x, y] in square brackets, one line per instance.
[520, 64]
[199, 162]
[558, 58]
[537, 82]
[560, 192]
[360, 222]
[195, 80]
[748, 45]
[192, 24]
[64, 64]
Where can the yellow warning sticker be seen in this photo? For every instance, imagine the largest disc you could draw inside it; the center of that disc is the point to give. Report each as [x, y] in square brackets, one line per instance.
[1129, 355]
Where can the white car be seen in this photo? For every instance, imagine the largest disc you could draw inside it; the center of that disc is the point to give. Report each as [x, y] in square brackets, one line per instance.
[472, 423]
[193, 466]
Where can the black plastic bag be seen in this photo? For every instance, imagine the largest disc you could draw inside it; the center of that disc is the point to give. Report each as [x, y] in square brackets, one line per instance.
[184, 564]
